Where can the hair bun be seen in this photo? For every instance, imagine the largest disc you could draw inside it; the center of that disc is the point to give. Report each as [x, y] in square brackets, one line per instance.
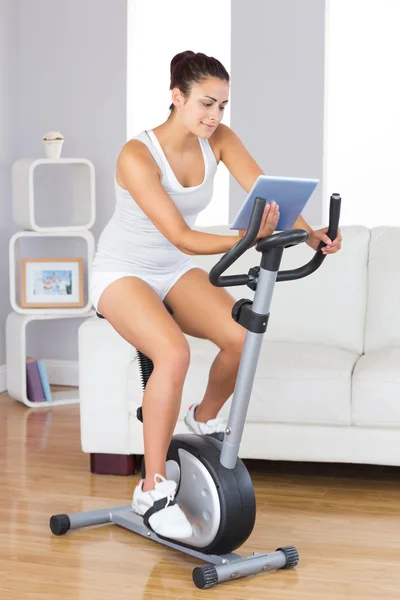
[189, 68]
[179, 57]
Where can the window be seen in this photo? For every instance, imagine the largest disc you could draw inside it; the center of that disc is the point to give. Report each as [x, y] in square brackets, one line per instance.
[362, 135]
[157, 30]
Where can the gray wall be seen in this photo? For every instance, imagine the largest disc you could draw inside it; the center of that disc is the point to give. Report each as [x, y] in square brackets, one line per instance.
[9, 44]
[76, 83]
[277, 99]
[63, 66]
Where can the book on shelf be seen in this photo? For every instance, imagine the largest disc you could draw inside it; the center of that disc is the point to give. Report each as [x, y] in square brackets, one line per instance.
[44, 380]
[37, 382]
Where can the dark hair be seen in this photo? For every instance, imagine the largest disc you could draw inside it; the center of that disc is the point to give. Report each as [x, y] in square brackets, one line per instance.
[188, 68]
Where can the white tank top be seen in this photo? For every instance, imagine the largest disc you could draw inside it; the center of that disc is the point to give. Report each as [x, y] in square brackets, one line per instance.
[130, 241]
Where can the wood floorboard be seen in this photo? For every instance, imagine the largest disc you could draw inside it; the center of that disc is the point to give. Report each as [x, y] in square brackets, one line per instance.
[343, 519]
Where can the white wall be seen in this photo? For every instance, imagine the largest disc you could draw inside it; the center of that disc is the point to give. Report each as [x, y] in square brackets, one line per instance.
[278, 89]
[363, 116]
[157, 30]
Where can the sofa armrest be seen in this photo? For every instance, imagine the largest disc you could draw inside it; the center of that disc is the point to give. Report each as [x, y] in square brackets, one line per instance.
[105, 359]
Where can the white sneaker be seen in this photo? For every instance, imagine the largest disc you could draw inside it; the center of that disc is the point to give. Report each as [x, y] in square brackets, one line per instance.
[217, 425]
[159, 509]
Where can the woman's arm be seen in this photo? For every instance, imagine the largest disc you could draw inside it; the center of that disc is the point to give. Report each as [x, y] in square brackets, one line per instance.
[236, 157]
[242, 165]
[302, 224]
[139, 174]
[245, 170]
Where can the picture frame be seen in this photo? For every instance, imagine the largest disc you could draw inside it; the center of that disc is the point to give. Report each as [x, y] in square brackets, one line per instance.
[52, 283]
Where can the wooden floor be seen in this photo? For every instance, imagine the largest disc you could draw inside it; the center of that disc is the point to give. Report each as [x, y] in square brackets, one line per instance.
[344, 520]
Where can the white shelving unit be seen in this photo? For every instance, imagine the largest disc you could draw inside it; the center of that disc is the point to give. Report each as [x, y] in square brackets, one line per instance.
[14, 271]
[83, 193]
[16, 325]
[25, 197]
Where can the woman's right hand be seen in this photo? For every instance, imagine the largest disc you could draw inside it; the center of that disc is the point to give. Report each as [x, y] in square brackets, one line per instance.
[269, 222]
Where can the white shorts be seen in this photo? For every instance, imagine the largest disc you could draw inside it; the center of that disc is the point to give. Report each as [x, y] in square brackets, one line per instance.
[161, 284]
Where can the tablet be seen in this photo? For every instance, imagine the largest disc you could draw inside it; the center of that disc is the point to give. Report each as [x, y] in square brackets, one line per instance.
[290, 193]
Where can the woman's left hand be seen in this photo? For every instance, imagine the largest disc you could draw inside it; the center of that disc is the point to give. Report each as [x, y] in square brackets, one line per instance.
[318, 236]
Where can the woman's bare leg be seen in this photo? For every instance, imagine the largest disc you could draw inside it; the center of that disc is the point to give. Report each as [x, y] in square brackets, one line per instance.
[136, 312]
[205, 311]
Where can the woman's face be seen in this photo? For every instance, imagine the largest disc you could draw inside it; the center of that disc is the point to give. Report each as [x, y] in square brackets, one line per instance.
[203, 110]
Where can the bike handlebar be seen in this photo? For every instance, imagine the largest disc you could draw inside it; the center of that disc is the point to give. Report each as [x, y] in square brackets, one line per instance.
[283, 239]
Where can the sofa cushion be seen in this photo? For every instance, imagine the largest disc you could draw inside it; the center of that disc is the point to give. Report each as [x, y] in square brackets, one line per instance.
[383, 322]
[376, 389]
[326, 308]
[313, 383]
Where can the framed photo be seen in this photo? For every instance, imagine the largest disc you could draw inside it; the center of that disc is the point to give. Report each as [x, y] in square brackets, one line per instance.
[52, 283]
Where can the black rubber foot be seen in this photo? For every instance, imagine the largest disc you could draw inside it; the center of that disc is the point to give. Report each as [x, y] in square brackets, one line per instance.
[292, 556]
[205, 576]
[60, 524]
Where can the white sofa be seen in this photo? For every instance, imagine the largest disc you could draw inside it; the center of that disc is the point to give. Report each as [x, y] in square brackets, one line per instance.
[327, 386]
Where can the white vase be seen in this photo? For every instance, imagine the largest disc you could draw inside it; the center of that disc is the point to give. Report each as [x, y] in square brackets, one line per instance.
[53, 148]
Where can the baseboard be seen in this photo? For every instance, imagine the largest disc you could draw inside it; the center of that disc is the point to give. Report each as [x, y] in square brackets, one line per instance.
[3, 378]
[59, 372]
[62, 372]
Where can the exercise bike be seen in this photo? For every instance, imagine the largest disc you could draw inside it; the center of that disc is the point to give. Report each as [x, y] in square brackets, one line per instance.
[214, 487]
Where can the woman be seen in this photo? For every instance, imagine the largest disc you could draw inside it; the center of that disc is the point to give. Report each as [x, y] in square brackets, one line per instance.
[163, 179]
